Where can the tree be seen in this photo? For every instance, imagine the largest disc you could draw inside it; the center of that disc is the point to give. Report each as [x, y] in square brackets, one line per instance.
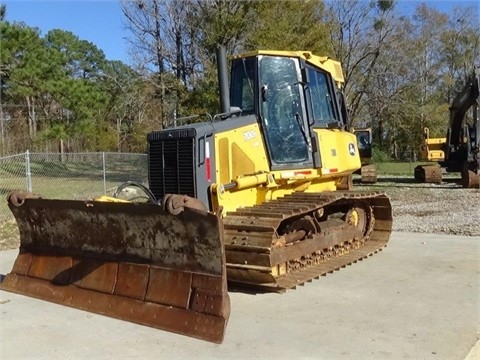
[289, 25]
[174, 42]
[157, 41]
[73, 102]
[54, 83]
[22, 55]
[130, 110]
[401, 71]
[214, 23]
[359, 31]
[459, 49]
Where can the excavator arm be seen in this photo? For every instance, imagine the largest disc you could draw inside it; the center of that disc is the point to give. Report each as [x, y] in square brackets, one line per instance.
[462, 150]
[463, 139]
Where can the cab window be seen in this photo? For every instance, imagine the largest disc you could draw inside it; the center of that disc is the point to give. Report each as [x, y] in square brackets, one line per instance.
[321, 97]
[242, 89]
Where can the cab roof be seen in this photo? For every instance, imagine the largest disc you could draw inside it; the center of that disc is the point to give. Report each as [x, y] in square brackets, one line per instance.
[323, 62]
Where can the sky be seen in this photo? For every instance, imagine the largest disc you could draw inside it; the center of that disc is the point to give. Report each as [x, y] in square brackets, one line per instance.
[101, 21]
[97, 21]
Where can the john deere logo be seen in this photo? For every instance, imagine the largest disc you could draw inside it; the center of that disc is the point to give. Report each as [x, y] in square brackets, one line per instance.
[351, 149]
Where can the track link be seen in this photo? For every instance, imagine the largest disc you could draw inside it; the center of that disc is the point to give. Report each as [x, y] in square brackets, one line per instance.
[259, 257]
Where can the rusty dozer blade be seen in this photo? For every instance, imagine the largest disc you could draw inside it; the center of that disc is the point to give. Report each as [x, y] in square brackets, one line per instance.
[131, 261]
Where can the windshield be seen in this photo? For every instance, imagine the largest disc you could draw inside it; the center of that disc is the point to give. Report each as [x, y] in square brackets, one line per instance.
[363, 139]
[281, 110]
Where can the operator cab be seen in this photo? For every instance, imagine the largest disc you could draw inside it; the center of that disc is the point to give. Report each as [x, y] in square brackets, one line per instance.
[289, 96]
[364, 142]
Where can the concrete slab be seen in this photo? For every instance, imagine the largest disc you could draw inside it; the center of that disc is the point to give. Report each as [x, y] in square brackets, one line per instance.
[418, 299]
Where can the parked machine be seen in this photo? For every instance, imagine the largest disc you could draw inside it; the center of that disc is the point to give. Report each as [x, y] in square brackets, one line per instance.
[249, 196]
[431, 150]
[461, 147]
[368, 171]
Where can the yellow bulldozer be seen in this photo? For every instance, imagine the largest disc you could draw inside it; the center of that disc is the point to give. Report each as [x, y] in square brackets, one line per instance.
[248, 196]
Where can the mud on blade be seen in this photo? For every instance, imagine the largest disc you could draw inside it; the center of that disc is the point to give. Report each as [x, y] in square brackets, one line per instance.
[131, 261]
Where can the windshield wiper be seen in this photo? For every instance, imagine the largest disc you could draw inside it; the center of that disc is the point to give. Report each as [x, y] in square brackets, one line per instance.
[299, 120]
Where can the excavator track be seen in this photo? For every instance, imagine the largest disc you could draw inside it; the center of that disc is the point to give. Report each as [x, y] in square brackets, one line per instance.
[368, 174]
[286, 242]
[429, 174]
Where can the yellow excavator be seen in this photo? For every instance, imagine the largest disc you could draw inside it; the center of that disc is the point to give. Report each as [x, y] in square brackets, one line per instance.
[459, 151]
[249, 196]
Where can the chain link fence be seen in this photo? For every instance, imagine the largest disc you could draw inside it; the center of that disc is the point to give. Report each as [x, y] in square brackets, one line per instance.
[68, 175]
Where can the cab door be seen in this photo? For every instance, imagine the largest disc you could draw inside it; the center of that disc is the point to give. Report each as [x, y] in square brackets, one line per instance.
[282, 113]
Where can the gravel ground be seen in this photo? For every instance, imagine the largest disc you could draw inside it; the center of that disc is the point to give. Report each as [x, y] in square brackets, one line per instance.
[446, 208]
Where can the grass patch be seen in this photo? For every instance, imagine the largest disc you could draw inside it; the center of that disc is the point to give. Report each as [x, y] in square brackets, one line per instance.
[9, 235]
[71, 176]
[406, 169]
[397, 168]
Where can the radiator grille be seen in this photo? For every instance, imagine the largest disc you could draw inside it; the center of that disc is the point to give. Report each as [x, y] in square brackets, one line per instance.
[171, 165]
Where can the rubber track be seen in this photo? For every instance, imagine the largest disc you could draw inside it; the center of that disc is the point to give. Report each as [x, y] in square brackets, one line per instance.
[260, 223]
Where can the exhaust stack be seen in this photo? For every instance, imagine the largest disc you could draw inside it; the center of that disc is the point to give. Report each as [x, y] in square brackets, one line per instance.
[223, 79]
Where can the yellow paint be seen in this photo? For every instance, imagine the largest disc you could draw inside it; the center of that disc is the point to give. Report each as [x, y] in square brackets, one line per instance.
[240, 149]
[353, 218]
[241, 162]
[105, 198]
[223, 158]
[243, 170]
[334, 149]
[431, 148]
[251, 181]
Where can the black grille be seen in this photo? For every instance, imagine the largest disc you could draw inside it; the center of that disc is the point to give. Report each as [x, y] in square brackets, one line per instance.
[171, 163]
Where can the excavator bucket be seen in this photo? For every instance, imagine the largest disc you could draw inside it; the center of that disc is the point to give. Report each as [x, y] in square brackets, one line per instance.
[131, 261]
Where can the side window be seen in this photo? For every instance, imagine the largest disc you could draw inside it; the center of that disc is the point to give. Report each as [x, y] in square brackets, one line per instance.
[247, 95]
[242, 89]
[322, 100]
[363, 139]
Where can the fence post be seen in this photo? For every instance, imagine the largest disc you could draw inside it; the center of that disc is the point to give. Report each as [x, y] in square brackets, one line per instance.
[28, 172]
[104, 175]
